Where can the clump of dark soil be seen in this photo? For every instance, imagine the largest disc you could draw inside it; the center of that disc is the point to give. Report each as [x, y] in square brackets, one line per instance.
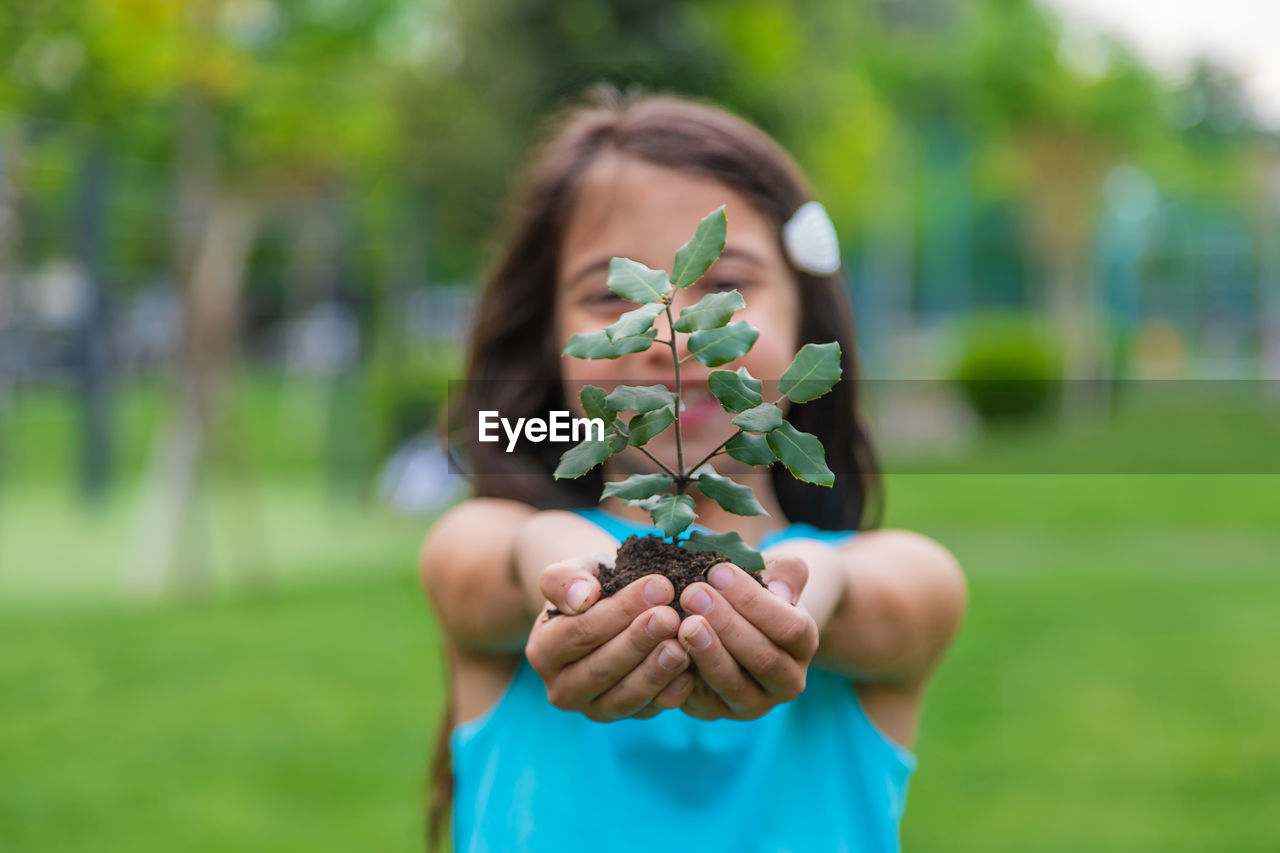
[640, 556]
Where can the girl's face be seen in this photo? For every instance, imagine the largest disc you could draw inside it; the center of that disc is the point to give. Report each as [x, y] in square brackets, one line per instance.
[633, 209]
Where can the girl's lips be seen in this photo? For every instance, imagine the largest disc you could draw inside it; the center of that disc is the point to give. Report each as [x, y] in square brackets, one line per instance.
[698, 412]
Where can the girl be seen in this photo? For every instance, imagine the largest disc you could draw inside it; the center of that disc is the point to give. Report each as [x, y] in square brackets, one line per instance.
[768, 718]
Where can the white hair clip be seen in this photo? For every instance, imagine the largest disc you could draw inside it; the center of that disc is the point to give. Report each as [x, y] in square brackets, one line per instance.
[810, 240]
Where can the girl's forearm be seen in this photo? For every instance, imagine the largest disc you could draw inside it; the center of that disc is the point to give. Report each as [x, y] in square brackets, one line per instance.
[548, 537]
[825, 588]
[887, 604]
[465, 568]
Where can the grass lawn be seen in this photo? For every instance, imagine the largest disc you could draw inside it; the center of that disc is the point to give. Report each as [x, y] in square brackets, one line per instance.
[300, 721]
[1114, 687]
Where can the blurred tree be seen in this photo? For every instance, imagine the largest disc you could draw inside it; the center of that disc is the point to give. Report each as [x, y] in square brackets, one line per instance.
[259, 106]
[497, 69]
[373, 140]
[276, 103]
[1067, 126]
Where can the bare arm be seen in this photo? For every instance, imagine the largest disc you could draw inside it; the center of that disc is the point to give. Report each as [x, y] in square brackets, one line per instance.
[892, 604]
[466, 568]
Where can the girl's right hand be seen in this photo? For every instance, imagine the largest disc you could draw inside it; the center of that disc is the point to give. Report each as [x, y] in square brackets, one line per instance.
[613, 658]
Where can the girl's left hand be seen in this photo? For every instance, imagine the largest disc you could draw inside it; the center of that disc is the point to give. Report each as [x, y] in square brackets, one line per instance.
[751, 644]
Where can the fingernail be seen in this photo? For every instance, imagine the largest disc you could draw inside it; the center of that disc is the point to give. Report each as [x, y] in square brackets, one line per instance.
[699, 602]
[656, 592]
[669, 660]
[700, 638]
[577, 595]
[781, 590]
[659, 626]
[721, 576]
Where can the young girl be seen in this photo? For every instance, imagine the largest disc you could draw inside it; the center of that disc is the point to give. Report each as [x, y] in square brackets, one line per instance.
[768, 718]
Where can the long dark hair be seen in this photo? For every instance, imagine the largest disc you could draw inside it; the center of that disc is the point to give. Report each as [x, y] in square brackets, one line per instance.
[513, 362]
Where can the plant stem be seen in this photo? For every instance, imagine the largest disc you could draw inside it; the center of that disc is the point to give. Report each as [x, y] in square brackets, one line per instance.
[718, 448]
[681, 479]
[672, 474]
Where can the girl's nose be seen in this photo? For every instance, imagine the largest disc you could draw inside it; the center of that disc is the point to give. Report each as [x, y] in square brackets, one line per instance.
[656, 360]
[682, 299]
[660, 352]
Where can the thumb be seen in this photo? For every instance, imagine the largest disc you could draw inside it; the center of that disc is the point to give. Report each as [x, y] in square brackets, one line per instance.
[571, 585]
[785, 576]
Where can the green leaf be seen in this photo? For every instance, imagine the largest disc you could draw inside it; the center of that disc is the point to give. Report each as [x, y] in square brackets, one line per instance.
[714, 347]
[736, 392]
[802, 454]
[734, 497]
[617, 441]
[637, 486]
[635, 322]
[761, 418]
[696, 257]
[730, 544]
[711, 311]
[813, 372]
[593, 404]
[640, 398]
[673, 513]
[599, 345]
[581, 458]
[646, 426]
[635, 282]
[751, 449]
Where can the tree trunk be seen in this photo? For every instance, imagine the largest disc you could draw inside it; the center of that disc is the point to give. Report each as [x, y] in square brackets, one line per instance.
[92, 359]
[162, 556]
[1065, 171]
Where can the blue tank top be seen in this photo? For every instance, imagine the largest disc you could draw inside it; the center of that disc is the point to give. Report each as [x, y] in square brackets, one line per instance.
[813, 774]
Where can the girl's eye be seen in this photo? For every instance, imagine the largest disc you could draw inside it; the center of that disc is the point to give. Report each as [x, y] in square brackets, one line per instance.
[720, 285]
[605, 297]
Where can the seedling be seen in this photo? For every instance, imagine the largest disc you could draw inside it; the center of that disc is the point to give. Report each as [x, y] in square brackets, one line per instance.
[763, 434]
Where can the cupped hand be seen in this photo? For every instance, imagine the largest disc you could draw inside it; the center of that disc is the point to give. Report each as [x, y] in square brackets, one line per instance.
[610, 658]
[751, 644]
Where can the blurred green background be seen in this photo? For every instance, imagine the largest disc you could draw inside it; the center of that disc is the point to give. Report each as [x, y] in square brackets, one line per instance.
[239, 241]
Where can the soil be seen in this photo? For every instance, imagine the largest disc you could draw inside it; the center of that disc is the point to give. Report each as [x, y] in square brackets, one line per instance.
[639, 556]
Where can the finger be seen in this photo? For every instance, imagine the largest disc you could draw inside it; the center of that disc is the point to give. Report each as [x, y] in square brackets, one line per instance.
[641, 685]
[703, 703]
[571, 585]
[605, 668]
[565, 639]
[771, 666]
[716, 666]
[676, 693]
[771, 611]
[786, 577]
